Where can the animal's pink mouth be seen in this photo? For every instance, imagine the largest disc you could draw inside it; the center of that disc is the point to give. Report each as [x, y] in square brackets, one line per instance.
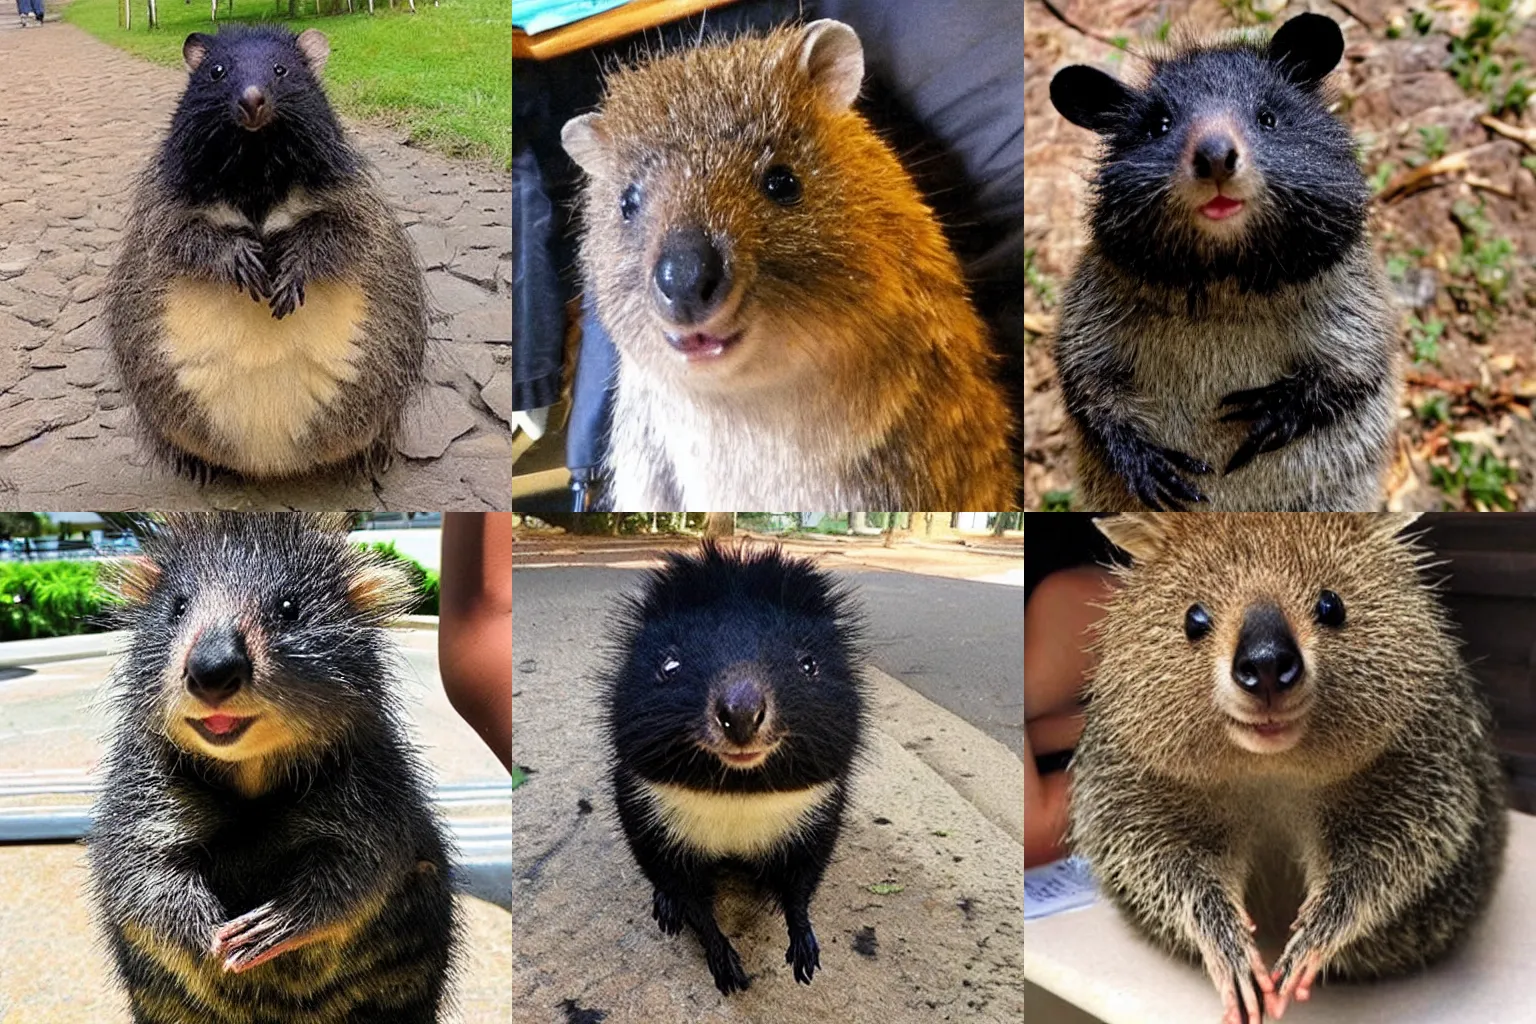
[1221, 207]
[746, 758]
[699, 347]
[221, 729]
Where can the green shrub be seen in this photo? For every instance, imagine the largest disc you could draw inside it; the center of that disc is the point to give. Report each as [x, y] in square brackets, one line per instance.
[41, 599]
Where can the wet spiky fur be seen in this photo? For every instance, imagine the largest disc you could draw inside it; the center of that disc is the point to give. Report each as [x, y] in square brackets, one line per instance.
[721, 615]
[1256, 366]
[1390, 808]
[327, 830]
[865, 377]
[291, 215]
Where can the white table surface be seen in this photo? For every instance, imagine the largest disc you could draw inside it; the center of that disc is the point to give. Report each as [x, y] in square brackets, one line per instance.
[1093, 960]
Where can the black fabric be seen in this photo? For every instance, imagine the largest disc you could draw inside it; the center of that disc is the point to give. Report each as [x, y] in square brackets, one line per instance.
[538, 309]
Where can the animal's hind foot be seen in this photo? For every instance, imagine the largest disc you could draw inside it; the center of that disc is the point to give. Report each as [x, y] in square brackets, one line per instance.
[725, 965]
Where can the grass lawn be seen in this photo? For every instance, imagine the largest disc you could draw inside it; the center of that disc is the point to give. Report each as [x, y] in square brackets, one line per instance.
[443, 73]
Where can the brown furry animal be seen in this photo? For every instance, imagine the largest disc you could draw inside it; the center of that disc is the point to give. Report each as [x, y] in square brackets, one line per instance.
[792, 329]
[266, 312]
[1280, 729]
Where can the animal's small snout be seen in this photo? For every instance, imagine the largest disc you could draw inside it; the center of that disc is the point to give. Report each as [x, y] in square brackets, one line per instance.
[1216, 157]
[690, 275]
[1267, 662]
[741, 710]
[255, 109]
[217, 666]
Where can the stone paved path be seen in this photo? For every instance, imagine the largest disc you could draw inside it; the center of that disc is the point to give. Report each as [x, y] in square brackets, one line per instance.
[77, 119]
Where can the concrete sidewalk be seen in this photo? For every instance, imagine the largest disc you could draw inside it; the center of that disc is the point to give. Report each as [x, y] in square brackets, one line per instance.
[946, 946]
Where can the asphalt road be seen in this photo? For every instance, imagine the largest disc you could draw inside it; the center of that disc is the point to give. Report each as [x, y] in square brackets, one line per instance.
[958, 643]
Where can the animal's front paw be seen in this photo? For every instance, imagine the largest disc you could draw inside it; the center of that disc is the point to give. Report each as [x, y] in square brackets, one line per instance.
[667, 912]
[725, 965]
[247, 269]
[1277, 413]
[1156, 474]
[804, 953]
[287, 292]
[1241, 978]
[1297, 969]
[254, 938]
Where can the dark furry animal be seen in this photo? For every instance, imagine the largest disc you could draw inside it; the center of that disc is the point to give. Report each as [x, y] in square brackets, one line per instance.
[1228, 311]
[264, 851]
[1281, 732]
[792, 328]
[266, 313]
[735, 711]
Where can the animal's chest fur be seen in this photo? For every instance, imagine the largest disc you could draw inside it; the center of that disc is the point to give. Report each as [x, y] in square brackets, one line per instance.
[733, 824]
[257, 380]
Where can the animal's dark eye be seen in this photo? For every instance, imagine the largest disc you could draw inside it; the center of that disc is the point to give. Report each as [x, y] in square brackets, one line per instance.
[178, 608]
[216, 72]
[629, 202]
[1160, 123]
[1197, 622]
[1330, 609]
[1266, 119]
[809, 667]
[288, 609]
[781, 185]
[279, 70]
[669, 667]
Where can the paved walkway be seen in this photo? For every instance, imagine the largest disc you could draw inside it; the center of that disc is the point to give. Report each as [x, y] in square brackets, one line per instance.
[77, 119]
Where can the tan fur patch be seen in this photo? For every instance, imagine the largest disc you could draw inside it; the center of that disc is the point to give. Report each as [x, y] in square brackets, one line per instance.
[743, 824]
[133, 579]
[259, 381]
[380, 587]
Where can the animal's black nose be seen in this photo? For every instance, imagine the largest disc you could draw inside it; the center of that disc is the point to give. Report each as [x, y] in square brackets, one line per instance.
[254, 108]
[1216, 157]
[740, 711]
[691, 279]
[1267, 662]
[217, 666]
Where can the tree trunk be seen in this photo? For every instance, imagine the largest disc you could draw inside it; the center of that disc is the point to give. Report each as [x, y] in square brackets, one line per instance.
[857, 521]
[720, 524]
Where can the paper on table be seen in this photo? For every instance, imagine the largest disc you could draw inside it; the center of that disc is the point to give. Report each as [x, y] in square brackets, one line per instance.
[1057, 887]
[535, 16]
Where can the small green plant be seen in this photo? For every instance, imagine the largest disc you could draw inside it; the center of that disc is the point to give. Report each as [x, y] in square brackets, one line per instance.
[1435, 409]
[1056, 501]
[1038, 282]
[1383, 174]
[1423, 22]
[1487, 258]
[1432, 142]
[1397, 266]
[1475, 477]
[1163, 28]
[1529, 163]
[1424, 338]
[1478, 63]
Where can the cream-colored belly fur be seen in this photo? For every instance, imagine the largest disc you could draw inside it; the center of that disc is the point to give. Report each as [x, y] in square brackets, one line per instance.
[260, 381]
[740, 824]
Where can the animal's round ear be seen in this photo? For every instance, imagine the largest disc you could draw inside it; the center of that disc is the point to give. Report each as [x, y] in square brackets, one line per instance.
[585, 140]
[315, 48]
[1142, 535]
[195, 49]
[833, 58]
[131, 580]
[1307, 47]
[1089, 98]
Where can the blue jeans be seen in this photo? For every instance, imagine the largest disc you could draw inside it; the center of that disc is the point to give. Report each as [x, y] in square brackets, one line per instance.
[33, 7]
